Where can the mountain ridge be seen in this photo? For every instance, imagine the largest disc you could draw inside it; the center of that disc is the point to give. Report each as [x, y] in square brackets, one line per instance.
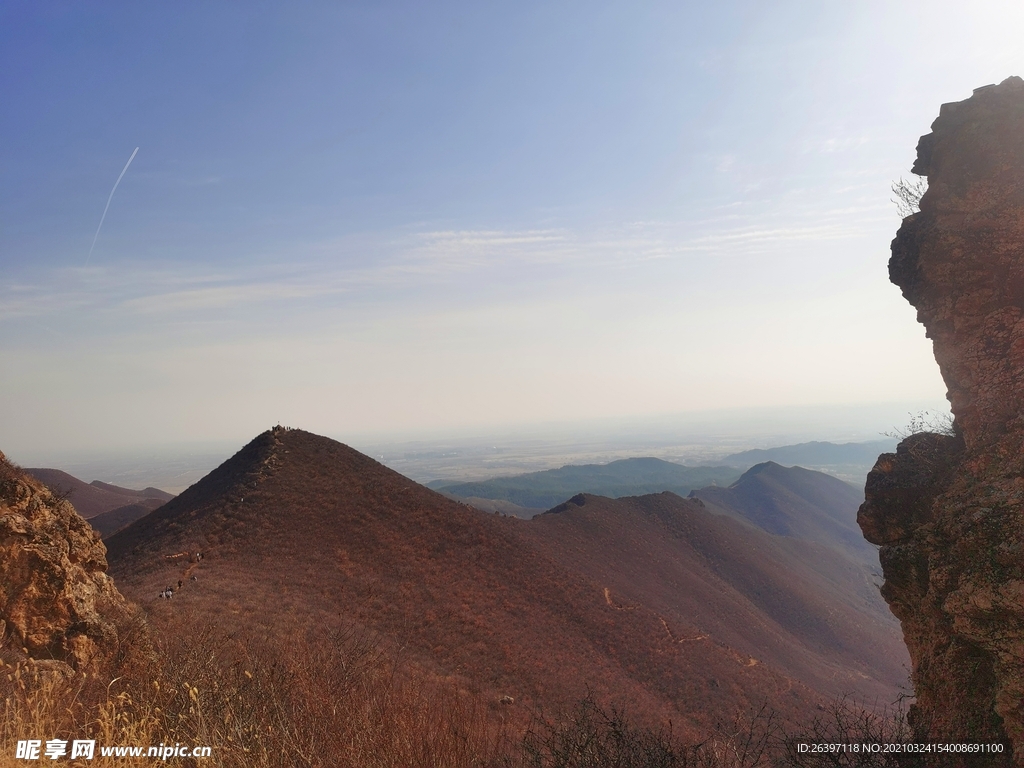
[815, 452]
[796, 502]
[95, 498]
[623, 477]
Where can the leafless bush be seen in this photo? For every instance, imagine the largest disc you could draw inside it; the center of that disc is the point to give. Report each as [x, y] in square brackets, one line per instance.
[750, 742]
[869, 731]
[595, 737]
[847, 723]
[333, 699]
[908, 195]
[925, 421]
[322, 700]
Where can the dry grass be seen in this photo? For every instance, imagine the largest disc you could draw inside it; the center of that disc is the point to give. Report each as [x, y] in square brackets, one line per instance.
[40, 703]
[331, 701]
[341, 700]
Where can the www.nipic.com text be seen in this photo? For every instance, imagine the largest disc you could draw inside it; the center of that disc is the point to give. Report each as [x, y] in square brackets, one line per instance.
[37, 749]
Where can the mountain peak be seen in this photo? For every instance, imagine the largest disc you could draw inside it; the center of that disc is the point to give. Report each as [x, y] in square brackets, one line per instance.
[794, 501]
[233, 492]
[764, 468]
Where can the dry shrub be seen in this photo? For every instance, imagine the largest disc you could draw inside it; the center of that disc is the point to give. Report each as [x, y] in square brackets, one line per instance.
[845, 722]
[908, 195]
[44, 701]
[335, 699]
[318, 700]
[594, 736]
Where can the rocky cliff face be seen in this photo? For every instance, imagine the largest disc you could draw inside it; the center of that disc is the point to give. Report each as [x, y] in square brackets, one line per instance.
[56, 600]
[948, 510]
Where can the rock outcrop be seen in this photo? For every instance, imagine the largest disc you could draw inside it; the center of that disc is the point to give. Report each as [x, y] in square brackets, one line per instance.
[56, 601]
[948, 510]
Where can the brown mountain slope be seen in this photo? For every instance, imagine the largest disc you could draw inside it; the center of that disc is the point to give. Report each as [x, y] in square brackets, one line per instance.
[795, 502]
[299, 530]
[812, 612]
[145, 493]
[109, 523]
[91, 499]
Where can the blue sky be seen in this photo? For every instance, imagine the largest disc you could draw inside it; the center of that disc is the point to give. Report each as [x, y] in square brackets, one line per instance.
[391, 218]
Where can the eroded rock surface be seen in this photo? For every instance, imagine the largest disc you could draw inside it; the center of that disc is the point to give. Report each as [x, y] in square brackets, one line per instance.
[949, 510]
[56, 600]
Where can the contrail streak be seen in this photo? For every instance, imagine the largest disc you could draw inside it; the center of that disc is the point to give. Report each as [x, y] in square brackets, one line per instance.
[108, 204]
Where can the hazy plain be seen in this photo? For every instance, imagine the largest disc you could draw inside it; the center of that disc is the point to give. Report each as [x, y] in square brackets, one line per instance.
[692, 439]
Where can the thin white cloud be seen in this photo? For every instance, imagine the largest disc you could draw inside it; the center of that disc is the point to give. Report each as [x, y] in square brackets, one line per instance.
[413, 263]
[226, 296]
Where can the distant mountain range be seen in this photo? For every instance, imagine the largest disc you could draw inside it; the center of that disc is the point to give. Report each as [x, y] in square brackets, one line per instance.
[795, 502]
[690, 615]
[107, 507]
[816, 454]
[533, 492]
[538, 491]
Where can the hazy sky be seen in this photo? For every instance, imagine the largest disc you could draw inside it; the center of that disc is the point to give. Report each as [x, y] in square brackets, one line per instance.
[398, 217]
